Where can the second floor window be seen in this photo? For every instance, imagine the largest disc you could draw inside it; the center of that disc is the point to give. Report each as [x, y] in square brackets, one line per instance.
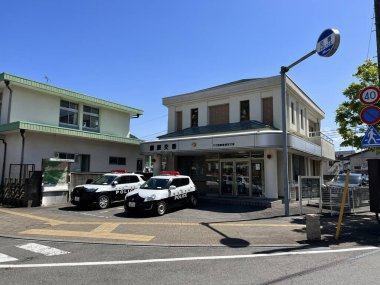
[302, 124]
[267, 110]
[292, 111]
[178, 120]
[244, 110]
[90, 118]
[194, 117]
[68, 114]
[117, 160]
[218, 114]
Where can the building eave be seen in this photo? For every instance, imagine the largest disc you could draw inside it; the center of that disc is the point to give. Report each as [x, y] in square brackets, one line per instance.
[39, 128]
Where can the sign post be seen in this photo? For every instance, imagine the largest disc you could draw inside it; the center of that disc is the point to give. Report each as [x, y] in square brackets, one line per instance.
[327, 44]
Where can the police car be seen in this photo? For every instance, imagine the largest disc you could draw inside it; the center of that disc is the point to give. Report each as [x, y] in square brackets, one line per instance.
[108, 188]
[159, 193]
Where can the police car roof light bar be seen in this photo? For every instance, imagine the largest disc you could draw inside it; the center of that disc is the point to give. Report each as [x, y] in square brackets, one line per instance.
[169, 173]
[119, 171]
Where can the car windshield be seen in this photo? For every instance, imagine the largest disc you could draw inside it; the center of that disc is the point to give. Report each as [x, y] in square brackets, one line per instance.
[354, 179]
[104, 180]
[156, 184]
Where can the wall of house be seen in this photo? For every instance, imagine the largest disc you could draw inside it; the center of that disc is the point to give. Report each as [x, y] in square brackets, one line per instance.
[43, 108]
[38, 146]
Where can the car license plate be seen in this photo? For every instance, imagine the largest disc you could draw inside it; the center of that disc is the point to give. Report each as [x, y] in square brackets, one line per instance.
[132, 204]
[76, 198]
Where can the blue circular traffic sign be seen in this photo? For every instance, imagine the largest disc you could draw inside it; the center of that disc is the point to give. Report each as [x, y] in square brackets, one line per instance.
[370, 114]
[328, 42]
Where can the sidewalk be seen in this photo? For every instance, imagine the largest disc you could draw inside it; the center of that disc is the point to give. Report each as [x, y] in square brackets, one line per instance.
[208, 225]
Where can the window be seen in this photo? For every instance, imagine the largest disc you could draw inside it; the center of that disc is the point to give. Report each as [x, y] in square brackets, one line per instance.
[139, 165]
[267, 111]
[68, 114]
[117, 160]
[178, 120]
[244, 110]
[64, 155]
[90, 118]
[302, 124]
[194, 117]
[134, 179]
[178, 182]
[292, 111]
[219, 114]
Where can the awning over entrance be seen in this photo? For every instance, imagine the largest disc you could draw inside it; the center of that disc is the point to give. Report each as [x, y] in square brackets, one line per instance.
[229, 142]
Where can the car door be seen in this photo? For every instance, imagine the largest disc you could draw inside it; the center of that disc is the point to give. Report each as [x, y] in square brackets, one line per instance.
[175, 197]
[181, 191]
[121, 187]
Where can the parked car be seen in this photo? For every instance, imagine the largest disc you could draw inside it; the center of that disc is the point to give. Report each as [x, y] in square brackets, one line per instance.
[355, 180]
[159, 193]
[108, 188]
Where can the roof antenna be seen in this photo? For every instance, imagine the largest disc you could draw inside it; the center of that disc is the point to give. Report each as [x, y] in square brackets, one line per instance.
[47, 79]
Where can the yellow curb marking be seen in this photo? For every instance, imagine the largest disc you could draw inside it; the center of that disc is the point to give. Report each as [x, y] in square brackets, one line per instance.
[98, 235]
[47, 220]
[105, 228]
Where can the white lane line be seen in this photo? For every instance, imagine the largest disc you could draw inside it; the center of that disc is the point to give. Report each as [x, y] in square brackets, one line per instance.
[42, 249]
[124, 262]
[6, 258]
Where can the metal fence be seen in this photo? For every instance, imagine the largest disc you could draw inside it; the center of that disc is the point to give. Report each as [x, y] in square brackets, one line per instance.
[357, 199]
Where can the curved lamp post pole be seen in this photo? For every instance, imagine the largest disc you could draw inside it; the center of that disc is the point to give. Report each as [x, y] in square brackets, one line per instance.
[327, 45]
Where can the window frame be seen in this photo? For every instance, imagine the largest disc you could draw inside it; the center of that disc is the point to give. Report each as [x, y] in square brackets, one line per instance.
[70, 111]
[94, 114]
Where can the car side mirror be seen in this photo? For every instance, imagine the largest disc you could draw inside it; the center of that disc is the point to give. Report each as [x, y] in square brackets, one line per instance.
[172, 187]
[114, 183]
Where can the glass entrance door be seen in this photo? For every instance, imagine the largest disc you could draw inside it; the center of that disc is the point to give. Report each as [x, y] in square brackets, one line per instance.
[227, 173]
[235, 177]
[257, 178]
[242, 178]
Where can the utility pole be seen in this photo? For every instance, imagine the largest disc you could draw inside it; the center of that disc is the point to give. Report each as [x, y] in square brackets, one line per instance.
[377, 23]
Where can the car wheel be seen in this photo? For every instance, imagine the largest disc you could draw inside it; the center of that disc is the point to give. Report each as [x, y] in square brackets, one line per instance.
[161, 208]
[103, 202]
[193, 201]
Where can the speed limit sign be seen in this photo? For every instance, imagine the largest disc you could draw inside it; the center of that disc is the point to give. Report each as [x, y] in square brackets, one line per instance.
[370, 95]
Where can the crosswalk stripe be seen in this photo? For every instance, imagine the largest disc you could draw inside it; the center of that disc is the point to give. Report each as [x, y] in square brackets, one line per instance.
[42, 249]
[6, 258]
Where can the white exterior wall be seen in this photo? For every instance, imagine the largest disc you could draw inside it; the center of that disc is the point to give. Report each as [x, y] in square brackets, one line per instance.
[270, 172]
[32, 106]
[38, 146]
[42, 108]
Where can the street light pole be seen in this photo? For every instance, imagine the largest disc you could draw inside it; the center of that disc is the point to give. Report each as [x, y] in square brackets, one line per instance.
[283, 71]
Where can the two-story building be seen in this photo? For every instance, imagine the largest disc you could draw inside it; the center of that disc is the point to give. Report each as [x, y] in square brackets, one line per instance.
[228, 138]
[40, 121]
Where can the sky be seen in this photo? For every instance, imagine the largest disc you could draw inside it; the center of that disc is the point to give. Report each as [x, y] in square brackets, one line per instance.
[135, 52]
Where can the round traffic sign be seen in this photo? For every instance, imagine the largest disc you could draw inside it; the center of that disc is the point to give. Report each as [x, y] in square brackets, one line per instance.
[370, 115]
[369, 95]
[328, 42]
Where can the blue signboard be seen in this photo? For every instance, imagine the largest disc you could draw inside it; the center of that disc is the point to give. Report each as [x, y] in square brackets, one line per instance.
[371, 138]
[328, 42]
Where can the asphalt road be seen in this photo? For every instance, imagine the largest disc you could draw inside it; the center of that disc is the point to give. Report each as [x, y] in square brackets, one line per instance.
[44, 262]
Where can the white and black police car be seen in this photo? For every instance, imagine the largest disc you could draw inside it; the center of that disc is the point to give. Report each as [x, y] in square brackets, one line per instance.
[159, 193]
[108, 188]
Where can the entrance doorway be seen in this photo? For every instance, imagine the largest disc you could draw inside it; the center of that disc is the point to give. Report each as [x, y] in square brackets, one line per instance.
[235, 177]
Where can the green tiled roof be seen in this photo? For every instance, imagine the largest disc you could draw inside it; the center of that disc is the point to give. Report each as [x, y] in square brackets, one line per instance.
[66, 132]
[67, 93]
[222, 128]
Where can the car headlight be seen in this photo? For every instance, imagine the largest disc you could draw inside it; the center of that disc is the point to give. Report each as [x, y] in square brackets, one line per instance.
[90, 189]
[150, 198]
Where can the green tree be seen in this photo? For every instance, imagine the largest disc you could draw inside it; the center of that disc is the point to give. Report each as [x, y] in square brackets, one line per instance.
[351, 128]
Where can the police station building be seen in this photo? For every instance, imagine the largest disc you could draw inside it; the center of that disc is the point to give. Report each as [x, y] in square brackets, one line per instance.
[228, 138]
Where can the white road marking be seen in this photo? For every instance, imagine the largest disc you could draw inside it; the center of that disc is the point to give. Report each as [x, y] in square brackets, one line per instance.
[6, 258]
[124, 262]
[42, 249]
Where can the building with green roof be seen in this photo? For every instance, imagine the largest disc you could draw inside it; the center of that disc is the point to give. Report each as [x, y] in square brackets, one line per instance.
[40, 121]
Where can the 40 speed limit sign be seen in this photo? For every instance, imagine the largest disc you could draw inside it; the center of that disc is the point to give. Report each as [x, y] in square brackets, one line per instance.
[370, 95]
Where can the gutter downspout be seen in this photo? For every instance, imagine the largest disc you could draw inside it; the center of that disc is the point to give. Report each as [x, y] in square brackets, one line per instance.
[4, 160]
[10, 100]
[22, 132]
